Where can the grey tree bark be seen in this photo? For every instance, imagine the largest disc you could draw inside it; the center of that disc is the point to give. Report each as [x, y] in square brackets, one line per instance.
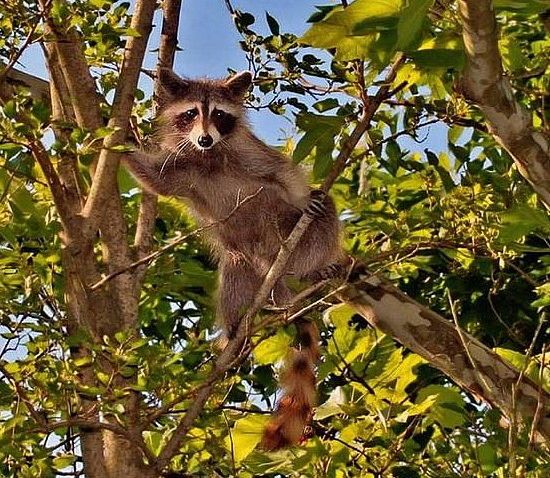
[484, 83]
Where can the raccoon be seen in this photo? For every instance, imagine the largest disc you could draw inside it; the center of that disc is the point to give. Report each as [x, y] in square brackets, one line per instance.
[208, 156]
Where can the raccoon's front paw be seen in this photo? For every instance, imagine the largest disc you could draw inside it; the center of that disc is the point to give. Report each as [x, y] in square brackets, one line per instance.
[316, 206]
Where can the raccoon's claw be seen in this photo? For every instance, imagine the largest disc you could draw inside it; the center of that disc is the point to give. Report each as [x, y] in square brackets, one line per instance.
[316, 206]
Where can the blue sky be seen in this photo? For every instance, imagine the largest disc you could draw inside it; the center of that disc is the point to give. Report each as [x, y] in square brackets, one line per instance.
[209, 44]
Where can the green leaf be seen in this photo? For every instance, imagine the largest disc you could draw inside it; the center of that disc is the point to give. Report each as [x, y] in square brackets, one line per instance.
[521, 220]
[402, 471]
[411, 21]
[154, 441]
[10, 148]
[323, 159]
[6, 394]
[12, 367]
[519, 361]
[273, 348]
[543, 291]
[273, 24]
[332, 405]
[448, 407]
[354, 30]
[454, 133]
[522, 6]
[40, 111]
[438, 58]
[23, 200]
[446, 50]
[326, 105]
[10, 109]
[245, 435]
[407, 371]
[512, 53]
[98, 3]
[103, 377]
[340, 314]
[59, 11]
[320, 132]
[63, 461]
[463, 256]
[83, 361]
[243, 20]
[488, 458]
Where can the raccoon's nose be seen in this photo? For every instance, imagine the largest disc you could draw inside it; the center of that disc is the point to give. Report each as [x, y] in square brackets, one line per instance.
[205, 141]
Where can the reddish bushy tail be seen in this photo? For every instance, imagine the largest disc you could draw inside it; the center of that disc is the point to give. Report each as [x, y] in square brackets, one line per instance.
[295, 408]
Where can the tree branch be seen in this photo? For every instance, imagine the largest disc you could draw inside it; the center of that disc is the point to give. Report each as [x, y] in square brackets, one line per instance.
[442, 114]
[22, 394]
[81, 85]
[93, 425]
[15, 58]
[63, 112]
[340, 163]
[65, 209]
[461, 357]
[143, 240]
[104, 181]
[485, 83]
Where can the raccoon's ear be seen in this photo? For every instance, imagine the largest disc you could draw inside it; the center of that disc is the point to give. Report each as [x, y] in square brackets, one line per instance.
[238, 84]
[171, 84]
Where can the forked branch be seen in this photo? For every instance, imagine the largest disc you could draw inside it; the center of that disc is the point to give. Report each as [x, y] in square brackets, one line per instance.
[143, 240]
[485, 83]
[104, 181]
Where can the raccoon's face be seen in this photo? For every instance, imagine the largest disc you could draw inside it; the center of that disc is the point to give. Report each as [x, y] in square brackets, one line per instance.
[204, 123]
[201, 113]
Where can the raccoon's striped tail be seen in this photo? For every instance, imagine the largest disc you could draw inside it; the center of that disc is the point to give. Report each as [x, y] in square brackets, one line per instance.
[295, 408]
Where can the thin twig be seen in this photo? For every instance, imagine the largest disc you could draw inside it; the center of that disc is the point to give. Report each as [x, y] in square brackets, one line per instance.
[230, 433]
[229, 7]
[15, 58]
[540, 404]
[465, 345]
[143, 240]
[104, 179]
[512, 431]
[246, 410]
[22, 394]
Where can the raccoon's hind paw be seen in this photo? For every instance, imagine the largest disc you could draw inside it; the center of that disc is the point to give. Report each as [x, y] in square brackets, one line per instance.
[316, 206]
[336, 270]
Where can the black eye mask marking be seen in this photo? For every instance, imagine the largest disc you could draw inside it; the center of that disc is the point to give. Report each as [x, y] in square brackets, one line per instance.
[185, 120]
[224, 122]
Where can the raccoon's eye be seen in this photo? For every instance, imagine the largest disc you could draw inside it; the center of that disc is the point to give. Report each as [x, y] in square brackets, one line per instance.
[190, 114]
[218, 113]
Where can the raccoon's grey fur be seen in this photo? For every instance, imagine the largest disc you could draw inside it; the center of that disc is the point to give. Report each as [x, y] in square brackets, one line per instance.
[208, 156]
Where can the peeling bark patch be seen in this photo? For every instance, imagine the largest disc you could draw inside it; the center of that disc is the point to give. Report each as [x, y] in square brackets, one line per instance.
[487, 358]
